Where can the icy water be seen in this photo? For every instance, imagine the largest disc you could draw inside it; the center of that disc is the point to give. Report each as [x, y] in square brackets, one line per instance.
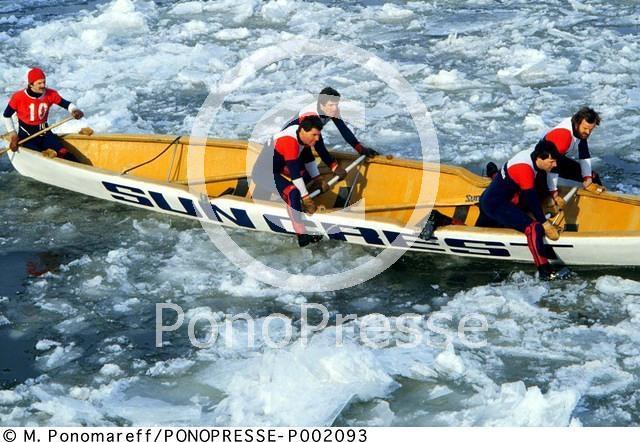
[81, 277]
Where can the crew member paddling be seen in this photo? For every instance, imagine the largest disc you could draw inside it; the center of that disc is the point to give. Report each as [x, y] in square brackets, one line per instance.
[327, 108]
[294, 167]
[571, 134]
[512, 192]
[32, 106]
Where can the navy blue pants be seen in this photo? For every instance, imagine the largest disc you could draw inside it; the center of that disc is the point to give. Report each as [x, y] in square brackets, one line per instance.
[292, 197]
[47, 140]
[42, 142]
[497, 210]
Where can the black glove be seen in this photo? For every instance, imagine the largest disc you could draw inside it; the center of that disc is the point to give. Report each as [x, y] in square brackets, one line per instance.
[367, 151]
[318, 184]
[342, 174]
[77, 114]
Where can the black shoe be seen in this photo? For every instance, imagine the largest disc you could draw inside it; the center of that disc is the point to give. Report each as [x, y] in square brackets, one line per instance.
[544, 272]
[564, 273]
[547, 273]
[435, 220]
[305, 240]
[429, 227]
[491, 169]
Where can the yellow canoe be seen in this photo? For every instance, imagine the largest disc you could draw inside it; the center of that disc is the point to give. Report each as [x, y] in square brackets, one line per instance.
[383, 203]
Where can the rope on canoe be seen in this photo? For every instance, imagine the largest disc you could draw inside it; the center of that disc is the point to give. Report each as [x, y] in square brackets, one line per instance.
[124, 172]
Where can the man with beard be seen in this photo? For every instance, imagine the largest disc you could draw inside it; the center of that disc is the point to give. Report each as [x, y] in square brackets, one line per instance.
[572, 134]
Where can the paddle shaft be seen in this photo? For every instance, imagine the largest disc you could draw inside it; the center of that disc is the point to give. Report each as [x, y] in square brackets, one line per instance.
[409, 206]
[567, 198]
[336, 178]
[40, 132]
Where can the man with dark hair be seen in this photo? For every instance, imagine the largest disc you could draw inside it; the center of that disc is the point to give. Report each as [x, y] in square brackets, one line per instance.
[328, 108]
[294, 167]
[512, 194]
[32, 106]
[573, 133]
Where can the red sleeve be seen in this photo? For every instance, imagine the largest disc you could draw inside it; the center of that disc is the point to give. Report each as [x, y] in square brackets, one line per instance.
[523, 175]
[561, 138]
[54, 97]
[288, 148]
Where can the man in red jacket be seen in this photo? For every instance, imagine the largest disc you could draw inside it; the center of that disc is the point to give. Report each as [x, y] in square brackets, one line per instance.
[571, 134]
[294, 167]
[327, 108]
[512, 194]
[32, 106]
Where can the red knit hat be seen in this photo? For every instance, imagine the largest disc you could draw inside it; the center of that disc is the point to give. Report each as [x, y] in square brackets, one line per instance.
[34, 75]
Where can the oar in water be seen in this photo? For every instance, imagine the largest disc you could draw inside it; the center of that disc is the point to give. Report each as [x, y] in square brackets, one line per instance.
[30, 137]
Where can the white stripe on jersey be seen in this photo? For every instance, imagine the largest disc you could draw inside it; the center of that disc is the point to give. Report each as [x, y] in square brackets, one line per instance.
[523, 157]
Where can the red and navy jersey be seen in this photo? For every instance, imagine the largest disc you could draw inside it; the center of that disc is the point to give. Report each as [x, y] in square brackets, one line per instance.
[292, 158]
[34, 110]
[291, 147]
[519, 178]
[521, 170]
[563, 137]
[288, 150]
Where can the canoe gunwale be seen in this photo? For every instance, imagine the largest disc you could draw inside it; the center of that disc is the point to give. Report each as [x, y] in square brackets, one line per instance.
[244, 145]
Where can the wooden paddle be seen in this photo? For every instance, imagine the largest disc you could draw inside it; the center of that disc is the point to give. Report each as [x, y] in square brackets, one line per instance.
[336, 178]
[559, 218]
[410, 206]
[30, 137]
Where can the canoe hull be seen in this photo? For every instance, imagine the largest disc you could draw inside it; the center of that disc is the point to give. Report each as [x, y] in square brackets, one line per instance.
[499, 244]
